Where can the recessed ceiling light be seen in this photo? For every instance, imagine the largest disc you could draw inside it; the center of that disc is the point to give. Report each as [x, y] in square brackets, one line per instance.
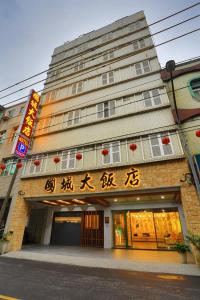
[138, 198]
[162, 197]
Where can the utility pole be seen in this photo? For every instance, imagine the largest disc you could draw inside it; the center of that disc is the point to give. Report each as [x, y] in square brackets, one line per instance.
[170, 67]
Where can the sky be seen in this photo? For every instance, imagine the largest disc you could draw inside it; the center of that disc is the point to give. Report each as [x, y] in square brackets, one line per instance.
[31, 29]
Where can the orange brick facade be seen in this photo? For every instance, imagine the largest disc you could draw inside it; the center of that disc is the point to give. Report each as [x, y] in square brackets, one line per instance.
[155, 175]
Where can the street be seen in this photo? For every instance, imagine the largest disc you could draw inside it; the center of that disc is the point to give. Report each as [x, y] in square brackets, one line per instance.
[31, 280]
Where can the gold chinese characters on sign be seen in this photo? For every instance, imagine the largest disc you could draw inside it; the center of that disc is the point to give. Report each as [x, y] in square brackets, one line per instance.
[23, 136]
[106, 181]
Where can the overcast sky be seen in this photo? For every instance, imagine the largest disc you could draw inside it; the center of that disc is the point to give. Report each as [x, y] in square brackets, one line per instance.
[31, 29]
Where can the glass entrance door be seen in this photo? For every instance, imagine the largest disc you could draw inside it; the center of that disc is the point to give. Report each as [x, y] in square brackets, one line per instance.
[141, 230]
[168, 228]
[147, 229]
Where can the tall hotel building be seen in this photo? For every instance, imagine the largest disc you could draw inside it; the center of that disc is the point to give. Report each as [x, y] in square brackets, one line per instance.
[106, 168]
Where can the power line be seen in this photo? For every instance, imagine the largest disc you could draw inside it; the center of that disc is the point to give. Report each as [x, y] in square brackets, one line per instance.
[98, 56]
[156, 22]
[92, 100]
[165, 130]
[110, 63]
[176, 13]
[46, 127]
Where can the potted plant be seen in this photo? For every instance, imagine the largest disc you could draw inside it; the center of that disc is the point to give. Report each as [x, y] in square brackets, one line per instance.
[4, 242]
[182, 248]
[194, 240]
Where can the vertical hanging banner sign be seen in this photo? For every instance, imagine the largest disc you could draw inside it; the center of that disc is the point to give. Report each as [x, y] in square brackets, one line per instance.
[21, 144]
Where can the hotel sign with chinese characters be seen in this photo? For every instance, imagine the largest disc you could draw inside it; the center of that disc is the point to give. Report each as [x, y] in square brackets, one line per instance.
[22, 142]
[91, 183]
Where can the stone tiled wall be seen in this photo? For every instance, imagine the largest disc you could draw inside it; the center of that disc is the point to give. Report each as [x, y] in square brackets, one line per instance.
[154, 175]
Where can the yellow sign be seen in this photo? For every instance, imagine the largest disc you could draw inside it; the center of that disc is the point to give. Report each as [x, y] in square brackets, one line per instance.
[107, 180]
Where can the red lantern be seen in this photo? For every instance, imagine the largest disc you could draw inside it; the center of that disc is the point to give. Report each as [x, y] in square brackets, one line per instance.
[19, 165]
[165, 140]
[56, 160]
[105, 152]
[78, 156]
[3, 167]
[198, 133]
[133, 147]
[36, 162]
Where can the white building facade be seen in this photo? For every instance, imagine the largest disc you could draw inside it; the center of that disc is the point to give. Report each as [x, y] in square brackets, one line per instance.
[105, 178]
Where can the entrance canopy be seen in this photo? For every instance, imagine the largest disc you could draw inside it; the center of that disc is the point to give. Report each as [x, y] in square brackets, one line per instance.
[109, 198]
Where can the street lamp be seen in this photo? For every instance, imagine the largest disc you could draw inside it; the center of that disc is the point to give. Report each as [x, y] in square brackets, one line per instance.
[170, 67]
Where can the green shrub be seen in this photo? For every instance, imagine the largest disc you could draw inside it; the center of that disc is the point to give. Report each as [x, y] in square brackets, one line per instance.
[6, 236]
[194, 239]
[181, 247]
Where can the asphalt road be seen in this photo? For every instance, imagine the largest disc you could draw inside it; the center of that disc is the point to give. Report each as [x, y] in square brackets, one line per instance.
[30, 280]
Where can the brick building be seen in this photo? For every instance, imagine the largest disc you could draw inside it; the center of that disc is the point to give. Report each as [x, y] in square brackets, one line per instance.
[110, 158]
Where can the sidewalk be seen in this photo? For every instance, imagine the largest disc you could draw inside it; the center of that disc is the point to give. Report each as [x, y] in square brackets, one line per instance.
[132, 260]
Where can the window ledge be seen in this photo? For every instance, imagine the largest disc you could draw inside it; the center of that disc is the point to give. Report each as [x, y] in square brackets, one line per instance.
[109, 166]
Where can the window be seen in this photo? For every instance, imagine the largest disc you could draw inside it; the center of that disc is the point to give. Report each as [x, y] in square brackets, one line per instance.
[195, 87]
[82, 47]
[135, 26]
[114, 153]
[107, 78]
[68, 159]
[77, 87]
[142, 67]
[2, 136]
[108, 55]
[158, 148]
[126, 100]
[138, 44]
[37, 169]
[107, 37]
[43, 126]
[54, 74]
[72, 117]
[152, 98]
[51, 96]
[10, 167]
[11, 113]
[105, 109]
[21, 110]
[79, 65]
[13, 134]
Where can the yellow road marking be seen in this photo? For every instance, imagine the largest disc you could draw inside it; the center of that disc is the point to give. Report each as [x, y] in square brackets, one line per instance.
[2, 297]
[171, 277]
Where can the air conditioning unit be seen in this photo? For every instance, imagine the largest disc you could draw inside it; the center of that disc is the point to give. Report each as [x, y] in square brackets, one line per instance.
[5, 116]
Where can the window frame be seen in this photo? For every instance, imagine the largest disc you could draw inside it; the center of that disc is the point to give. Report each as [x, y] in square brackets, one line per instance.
[108, 78]
[2, 136]
[105, 110]
[108, 55]
[110, 146]
[161, 145]
[12, 167]
[138, 43]
[192, 92]
[68, 159]
[142, 68]
[79, 65]
[38, 169]
[75, 88]
[151, 98]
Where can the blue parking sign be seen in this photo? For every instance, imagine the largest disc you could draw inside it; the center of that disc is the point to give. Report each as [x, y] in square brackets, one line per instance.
[21, 147]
